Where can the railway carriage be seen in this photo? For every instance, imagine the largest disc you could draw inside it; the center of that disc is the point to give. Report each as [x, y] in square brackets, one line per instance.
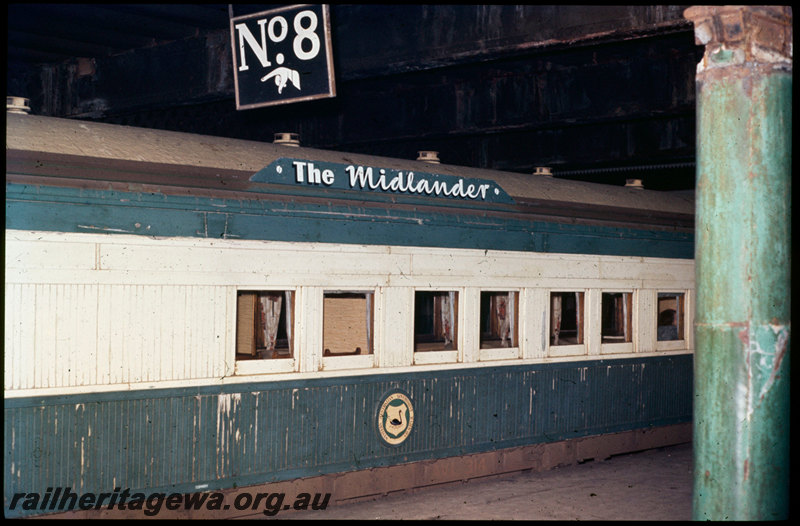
[192, 314]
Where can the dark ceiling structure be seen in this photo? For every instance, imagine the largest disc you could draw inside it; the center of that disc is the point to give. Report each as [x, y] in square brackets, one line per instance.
[598, 93]
[52, 33]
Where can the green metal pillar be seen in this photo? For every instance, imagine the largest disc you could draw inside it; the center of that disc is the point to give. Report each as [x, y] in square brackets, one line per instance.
[743, 260]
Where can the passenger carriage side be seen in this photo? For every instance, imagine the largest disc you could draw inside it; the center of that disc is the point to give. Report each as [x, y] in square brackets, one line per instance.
[202, 326]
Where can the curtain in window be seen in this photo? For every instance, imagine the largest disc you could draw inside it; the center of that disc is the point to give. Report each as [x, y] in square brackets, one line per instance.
[512, 319]
[446, 303]
[504, 312]
[289, 321]
[625, 324]
[369, 297]
[270, 316]
[555, 325]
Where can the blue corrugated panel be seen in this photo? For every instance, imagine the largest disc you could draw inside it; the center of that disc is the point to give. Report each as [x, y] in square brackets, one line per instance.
[216, 437]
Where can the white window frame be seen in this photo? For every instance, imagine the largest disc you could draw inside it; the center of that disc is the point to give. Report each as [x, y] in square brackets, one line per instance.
[444, 356]
[270, 365]
[578, 349]
[502, 353]
[675, 345]
[624, 347]
[362, 361]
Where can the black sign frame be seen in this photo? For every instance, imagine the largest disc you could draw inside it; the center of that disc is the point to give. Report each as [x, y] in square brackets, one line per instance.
[296, 39]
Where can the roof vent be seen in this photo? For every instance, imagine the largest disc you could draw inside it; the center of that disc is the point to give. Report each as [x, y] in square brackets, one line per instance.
[634, 183]
[545, 171]
[18, 105]
[287, 139]
[428, 157]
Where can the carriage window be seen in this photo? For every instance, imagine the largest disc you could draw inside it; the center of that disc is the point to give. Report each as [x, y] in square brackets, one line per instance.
[435, 320]
[264, 324]
[566, 318]
[616, 317]
[670, 316]
[347, 324]
[498, 319]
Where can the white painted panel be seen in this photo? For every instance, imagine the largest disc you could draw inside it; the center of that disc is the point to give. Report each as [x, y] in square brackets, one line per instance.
[131, 259]
[196, 319]
[271, 366]
[45, 342]
[72, 335]
[593, 304]
[435, 357]
[309, 323]
[24, 255]
[566, 350]
[616, 348]
[397, 315]
[19, 337]
[101, 373]
[75, 332]
[133, 321]
[161, 310]
[166, 332]
[500, 353]
[52, 333]
[469, 333]
[498, 265]
[533, 322]
[339, 363]
[229, 353]
[86, 352]
[262, 258]
[620, 268]
[645, 320]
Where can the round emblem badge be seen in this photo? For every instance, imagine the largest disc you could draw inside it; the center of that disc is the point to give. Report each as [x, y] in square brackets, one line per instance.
[395, 419]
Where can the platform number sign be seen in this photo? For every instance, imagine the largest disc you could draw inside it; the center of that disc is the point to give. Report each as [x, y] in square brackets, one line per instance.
[282, 55]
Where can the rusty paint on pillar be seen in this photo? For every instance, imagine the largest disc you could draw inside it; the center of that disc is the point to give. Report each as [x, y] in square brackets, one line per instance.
[743, 259]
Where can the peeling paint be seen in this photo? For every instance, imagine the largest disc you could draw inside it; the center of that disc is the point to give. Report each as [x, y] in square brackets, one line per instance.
[227, 407]
[105, 229]
[762, 365]
[782, 337]
[331, 424]
[418, 221]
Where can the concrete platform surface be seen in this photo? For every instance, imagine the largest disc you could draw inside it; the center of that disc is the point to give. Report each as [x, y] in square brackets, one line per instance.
[655, 484]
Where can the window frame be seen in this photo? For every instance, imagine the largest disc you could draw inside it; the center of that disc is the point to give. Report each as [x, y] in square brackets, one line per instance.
[438, 356]
[349, 361]
[501, 353]
[576, 349]
[266, 365]
[626, 346]
[682, 343]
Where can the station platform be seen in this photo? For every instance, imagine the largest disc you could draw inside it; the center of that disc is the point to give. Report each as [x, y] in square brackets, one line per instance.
[654, 484]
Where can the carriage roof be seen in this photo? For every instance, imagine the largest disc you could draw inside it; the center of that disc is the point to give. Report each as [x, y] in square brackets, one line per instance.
[220, 162]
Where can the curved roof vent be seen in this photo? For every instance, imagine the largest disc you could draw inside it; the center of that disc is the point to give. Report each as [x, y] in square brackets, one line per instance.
[428, 157]
[18, 105]
[287, 139]
[545, 171]
[634, 183]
